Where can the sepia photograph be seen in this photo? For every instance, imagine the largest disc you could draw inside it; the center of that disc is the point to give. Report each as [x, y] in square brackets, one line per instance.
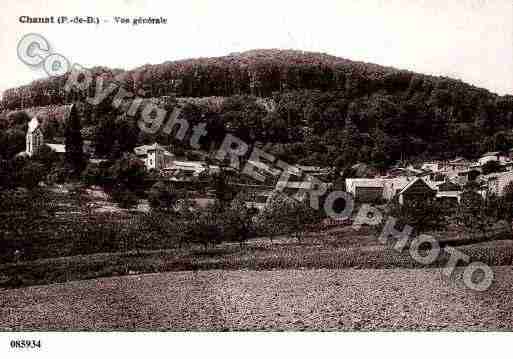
[271, 166]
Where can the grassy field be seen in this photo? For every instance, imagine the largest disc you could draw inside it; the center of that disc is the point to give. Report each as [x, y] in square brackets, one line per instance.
[256, 255]
[316, 299]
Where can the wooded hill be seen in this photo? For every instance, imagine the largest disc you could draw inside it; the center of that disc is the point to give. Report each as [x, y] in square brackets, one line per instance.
[307, 107]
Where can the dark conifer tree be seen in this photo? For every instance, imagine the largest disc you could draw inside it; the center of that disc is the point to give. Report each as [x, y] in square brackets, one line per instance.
[74, 142]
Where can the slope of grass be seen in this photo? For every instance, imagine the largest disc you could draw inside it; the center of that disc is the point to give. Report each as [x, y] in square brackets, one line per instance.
[251, 257]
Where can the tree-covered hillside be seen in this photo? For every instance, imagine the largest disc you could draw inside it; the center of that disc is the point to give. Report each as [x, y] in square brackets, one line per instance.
[306, 107]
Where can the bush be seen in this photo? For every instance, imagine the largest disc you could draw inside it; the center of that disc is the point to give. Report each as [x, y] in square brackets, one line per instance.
[46, 157]
[124, 196]
[59, 173]
[491, 167]
[422, 216]
[204, 232]
[162, 196]
[7, 174]
[31, 174]
[92, 175]
[237, 219]
[128, 171]
[23, 215]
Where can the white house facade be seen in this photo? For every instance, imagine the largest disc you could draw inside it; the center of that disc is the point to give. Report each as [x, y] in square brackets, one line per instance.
[154, 156]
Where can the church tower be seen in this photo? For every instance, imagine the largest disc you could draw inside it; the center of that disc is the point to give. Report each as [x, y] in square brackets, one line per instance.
[34, 137]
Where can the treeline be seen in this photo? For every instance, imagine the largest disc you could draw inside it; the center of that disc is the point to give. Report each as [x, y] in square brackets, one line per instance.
[259, 72]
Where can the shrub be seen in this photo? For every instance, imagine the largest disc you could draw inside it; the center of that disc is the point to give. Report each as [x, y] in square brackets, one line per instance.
[491, 167]
[59, 173]
[92, 175]
[46, 157]
[162, 196]
[123, 196]
[31, 174]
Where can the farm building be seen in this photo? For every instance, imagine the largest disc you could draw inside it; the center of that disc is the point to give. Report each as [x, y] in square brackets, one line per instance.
[365, 189]
[417, 191]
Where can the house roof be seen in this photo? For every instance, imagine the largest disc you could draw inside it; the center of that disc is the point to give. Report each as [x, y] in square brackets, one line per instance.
[401, 171]
[189, 164]
[294, 184]
[458, 159]
[498, 175]
[268, 169]
[56, 147]
[311, 168]
[491, 154]
[143, 150]
[196, 167]
[353, 183]
[413, 182]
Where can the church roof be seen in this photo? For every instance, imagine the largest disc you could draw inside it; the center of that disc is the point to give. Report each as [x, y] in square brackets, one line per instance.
[33, 125]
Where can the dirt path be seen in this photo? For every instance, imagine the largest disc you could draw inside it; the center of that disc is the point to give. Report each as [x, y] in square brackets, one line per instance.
[263, 300]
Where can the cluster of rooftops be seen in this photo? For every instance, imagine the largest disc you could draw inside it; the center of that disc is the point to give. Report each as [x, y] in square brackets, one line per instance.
[442, 180]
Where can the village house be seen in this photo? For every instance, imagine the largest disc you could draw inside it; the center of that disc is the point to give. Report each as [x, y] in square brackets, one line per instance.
[451, 168]
[376, 189]
[493, 156]
[455, 167]
[154, 156]
[392, 186]
[404, 188]
[449, 192]
[188, 168]
[313, 170]
[497, 182]
[417, 191]
[365, 189]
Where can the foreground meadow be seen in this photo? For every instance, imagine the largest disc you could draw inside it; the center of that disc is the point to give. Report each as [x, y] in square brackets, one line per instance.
[322, 299]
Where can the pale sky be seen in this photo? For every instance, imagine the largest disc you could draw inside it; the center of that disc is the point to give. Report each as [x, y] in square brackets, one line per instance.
[471, 40]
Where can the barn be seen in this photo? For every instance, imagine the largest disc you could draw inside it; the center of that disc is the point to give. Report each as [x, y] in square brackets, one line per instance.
[365, 189]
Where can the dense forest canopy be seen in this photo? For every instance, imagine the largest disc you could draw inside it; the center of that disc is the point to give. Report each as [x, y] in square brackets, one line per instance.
[306, 107]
